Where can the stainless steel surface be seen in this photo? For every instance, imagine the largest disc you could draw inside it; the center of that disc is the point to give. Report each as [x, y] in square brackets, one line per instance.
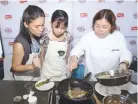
[126, 98]
[69, 87]
[114, 74]
[15, 88]
[114, 77]
[116, 99]
[50, 97]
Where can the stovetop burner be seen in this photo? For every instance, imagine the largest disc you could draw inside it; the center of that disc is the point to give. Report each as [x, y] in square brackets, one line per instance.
[107, 90]
[54, 98]
[63, 101]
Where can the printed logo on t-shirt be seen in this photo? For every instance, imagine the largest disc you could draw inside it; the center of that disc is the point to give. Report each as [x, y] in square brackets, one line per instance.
[61, 52]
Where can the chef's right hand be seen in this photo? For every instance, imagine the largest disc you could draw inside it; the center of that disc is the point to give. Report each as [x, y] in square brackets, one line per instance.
[36, 62]
[73, 63]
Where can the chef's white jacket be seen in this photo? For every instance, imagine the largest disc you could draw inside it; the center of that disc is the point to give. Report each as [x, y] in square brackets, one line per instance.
[102, 54]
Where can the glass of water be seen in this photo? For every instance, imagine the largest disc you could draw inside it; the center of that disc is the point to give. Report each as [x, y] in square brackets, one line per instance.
[29, 86]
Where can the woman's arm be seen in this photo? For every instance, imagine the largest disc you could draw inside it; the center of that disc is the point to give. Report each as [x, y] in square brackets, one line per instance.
[76, 53]
[79, 48]
[69, 40]
[68, 52]
[18, 54]
[125, 54]
[44, 45]
[42, 55]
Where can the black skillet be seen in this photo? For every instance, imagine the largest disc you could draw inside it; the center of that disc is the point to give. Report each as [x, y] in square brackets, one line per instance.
[76, 83]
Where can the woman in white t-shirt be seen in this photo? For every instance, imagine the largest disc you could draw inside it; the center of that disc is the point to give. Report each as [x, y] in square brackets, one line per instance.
[104, 48]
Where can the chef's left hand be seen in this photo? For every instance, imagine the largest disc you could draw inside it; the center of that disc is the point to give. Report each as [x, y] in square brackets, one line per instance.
[123, 66]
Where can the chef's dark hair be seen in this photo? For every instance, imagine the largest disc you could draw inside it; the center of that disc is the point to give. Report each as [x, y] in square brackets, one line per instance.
[32, 12]
[108, 15]
[61, 16]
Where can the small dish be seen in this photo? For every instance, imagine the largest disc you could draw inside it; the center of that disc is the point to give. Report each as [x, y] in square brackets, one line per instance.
[44, 87]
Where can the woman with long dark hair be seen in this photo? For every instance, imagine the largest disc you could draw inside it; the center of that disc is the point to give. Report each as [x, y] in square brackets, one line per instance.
[25, 61]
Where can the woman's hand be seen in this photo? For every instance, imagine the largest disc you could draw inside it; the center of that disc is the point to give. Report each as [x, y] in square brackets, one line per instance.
[36, 62]
[73, 63]
[123, 66]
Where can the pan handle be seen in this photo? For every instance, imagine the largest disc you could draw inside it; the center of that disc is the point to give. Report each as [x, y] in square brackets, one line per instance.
[87, 76]
[50, 97]
[134, 58]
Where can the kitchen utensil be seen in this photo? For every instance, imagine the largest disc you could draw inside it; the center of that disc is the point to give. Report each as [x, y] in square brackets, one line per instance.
[116, 99]
[42, 82]
[29, 86]
[69, 82]
[126, 98]
[114, 77]
[45, 86]
[32, 100]
[50, 97]
[76, 83]
[106, 90]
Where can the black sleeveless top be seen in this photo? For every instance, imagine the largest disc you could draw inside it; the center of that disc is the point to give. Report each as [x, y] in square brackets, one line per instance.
[26, 46]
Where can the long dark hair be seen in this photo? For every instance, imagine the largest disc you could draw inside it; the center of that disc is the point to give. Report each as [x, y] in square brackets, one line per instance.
[32, 12]
[60, 16]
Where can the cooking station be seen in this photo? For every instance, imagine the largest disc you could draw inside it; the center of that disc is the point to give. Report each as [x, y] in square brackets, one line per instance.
[10, 89]
[55, 98]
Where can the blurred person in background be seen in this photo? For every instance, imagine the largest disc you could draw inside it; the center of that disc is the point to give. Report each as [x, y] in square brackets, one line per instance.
[1, 60]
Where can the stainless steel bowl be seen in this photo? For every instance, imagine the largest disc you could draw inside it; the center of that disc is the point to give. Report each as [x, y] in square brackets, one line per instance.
[116, 99]
[114, 77]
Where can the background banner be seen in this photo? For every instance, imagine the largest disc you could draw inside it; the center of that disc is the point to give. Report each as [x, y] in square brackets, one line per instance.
[80, 14]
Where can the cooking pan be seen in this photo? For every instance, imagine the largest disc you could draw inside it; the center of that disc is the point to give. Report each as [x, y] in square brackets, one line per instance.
[76, 83]
[117, 99]
[116, 77]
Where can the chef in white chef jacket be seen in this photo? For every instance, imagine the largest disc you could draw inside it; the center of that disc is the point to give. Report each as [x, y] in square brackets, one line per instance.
[104, 47]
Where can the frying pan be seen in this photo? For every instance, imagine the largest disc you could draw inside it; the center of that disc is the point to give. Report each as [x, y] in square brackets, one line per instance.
[118, 77]
[76, 83]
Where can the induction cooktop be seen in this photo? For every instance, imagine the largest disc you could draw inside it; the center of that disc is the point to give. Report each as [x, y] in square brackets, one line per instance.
[55, 98]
